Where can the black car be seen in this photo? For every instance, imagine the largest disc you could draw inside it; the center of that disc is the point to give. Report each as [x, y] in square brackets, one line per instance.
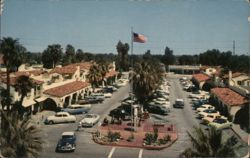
[67, 142]
[157, 110]
[119, 113]
[198, 103]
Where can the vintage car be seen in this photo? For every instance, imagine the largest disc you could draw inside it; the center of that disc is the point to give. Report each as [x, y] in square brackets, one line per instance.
[67, 142]
[89, 120]
[77, 109]
[60, 117]
[220, 124]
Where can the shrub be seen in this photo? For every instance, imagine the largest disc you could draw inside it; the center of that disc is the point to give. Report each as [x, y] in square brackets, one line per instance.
[167, 138]
[131, 137]
[155, 134]
[113, 136]
[149, 138]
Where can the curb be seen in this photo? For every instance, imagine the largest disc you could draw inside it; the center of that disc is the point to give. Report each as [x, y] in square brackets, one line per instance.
[238, 135]
[134, 146]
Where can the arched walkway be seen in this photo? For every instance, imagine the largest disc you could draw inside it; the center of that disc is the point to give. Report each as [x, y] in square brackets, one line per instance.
[49, 104]
[242, 118]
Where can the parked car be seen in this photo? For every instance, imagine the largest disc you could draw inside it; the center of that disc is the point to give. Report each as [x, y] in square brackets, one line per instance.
[208, 112]
[160, 100]
[220, 124]
[77, 109]
[209, 118]
[67, 142]
[60, 117]
[157, 109]
[204, 107]
[98, 95]
[165, 105]
[120, 112]
[179, 103]
[90, 100]
[90, 120]
[107, 95]
[200, 102]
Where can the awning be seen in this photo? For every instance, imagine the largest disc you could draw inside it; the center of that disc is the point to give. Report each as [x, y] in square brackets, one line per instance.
[27, 103]
[40, 99]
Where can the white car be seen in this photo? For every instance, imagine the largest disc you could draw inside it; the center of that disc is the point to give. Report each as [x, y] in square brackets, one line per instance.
[60, 117]
[208, 112]
[108, 95]
[160, 100]
[220, 124]
[204, 107]
[209, 118]
[89, 120]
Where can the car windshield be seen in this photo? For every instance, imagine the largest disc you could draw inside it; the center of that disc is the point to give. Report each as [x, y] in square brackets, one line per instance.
[210, 111]
[67, 137]
[89, 116]
[220, 121]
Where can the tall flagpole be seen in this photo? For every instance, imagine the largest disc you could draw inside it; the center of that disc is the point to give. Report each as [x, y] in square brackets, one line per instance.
[131, 84]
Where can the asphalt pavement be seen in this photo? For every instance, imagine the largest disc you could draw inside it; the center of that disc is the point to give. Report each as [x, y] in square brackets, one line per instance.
[184, 119]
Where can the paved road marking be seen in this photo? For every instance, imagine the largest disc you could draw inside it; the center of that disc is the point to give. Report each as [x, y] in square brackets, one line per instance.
[111, 152]
[140, 153]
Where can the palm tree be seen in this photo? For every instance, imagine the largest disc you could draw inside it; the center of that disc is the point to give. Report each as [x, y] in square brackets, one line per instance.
[8, 49]
[94, 75]
[103, 68]
[145, 80]
[210, 144]
[20, 138]
[23, 86]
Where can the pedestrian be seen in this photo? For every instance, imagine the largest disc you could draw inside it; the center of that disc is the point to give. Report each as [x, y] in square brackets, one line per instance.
[79, 126]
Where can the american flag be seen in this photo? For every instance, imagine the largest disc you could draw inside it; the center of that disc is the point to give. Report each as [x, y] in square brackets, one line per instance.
[139, 38]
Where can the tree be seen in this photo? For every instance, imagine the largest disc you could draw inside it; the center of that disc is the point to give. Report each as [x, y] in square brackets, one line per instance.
[94, 75]
[146, 78]
[20, 57]
[20, 138]
[84, 56]
[210, 144]
[23, 87]
[8, 49]
[122, 50]
[103, 69]
[168, 58]
[52, 55]
[69, 56]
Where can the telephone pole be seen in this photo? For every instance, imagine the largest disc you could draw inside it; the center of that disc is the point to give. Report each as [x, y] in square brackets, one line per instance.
[233, 47]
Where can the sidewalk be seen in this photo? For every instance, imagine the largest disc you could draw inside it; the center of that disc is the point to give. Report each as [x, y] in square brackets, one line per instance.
[242, 134]
[40, 117]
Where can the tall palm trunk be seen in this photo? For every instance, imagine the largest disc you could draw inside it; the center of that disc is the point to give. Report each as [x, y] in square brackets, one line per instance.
[8, 88]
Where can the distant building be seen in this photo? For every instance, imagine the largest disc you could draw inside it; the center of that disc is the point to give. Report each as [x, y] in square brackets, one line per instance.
[184, 69]
[56, 88]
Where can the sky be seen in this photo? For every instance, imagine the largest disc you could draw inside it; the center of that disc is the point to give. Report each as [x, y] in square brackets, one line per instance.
[185, 26]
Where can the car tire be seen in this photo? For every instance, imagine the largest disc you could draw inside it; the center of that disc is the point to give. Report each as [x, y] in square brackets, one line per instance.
[51, 122]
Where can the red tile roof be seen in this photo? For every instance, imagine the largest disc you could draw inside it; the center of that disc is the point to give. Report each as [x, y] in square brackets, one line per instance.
[13, 81]
[236, 74]
[28, 73]
[83, 65]
[229, 97]
[66, 89]
[111, 73]
[38, 82]
[69, 69]
[201, 77]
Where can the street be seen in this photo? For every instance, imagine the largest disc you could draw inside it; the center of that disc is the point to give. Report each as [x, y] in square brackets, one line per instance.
[184, 119]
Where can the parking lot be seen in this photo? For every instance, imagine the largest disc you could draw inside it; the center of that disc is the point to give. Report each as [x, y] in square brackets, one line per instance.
[184, 119]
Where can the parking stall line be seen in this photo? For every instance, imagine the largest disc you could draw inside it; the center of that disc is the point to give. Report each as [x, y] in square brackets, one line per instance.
[111, 152]
[140, 153]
